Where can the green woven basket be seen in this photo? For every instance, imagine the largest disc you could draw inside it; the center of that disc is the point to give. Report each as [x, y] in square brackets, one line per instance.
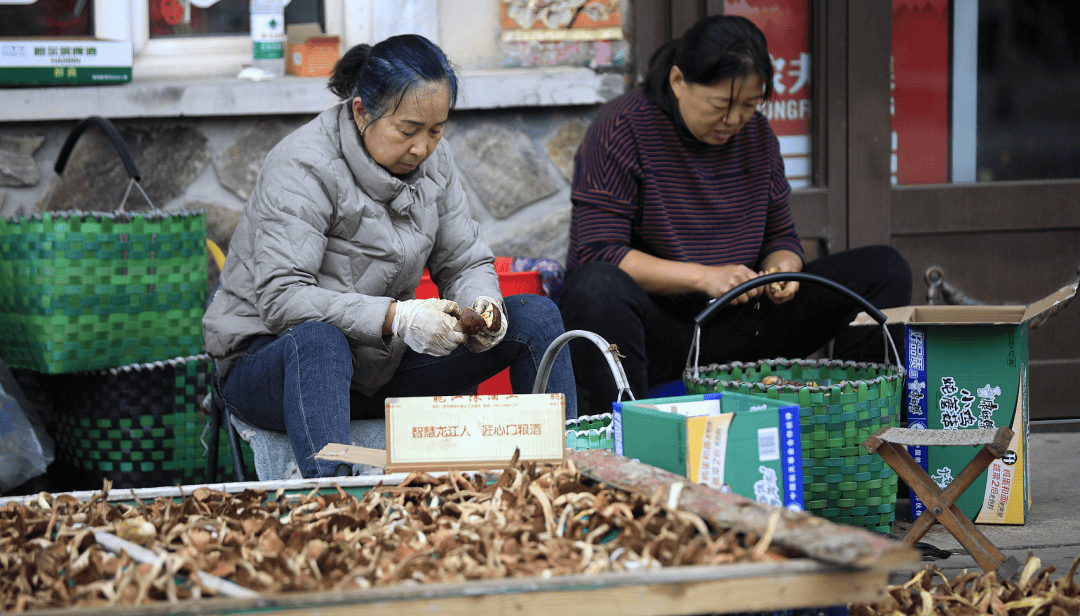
[590, 432]
[139, 425]
[87, 291]
[841, 403]
[849, 402]
[94, 289]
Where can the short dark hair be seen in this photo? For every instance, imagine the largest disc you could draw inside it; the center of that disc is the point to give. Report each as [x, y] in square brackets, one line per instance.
[714, 48]
[382, 75]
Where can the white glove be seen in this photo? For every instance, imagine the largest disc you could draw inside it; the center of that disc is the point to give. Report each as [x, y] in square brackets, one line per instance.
[484, 339]
[429, 326]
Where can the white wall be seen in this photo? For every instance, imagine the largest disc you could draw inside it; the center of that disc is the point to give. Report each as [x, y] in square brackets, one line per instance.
[469, 32]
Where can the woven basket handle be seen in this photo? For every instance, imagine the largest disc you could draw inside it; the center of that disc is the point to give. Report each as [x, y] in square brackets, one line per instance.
[730, 296]
[610, 352]
[118, 143]
[725, 299]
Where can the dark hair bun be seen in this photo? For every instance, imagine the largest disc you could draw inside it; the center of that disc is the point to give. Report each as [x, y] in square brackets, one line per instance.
[347, 71]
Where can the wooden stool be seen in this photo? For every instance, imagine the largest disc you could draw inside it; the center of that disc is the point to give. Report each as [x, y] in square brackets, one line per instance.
[890, 444]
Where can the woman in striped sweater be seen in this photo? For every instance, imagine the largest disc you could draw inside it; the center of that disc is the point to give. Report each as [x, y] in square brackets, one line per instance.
[679, 195]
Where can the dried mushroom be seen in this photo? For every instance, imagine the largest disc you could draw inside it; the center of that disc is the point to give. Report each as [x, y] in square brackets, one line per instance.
[532, 520]
[975, 593]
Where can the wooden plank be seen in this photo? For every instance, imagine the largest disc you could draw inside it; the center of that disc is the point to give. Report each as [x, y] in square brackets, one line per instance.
[810, 212]
[295, 486]
[751, 587]
[139, 554]
[651, 28]
[685, 13]
[1053, 388]
[869, 30]
[816, 537]
[989, 207]
[829, 117]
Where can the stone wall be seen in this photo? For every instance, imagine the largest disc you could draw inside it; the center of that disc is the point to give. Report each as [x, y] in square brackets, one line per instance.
[517, 166]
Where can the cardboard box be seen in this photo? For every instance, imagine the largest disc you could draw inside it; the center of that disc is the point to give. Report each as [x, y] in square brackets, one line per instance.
[309, 52]
[746, 444]
[968, 369]
[64, 61]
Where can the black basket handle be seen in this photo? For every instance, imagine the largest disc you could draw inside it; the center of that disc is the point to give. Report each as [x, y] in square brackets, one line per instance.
[730, 296]
[121, 149]
[110, 132]
[738, 290]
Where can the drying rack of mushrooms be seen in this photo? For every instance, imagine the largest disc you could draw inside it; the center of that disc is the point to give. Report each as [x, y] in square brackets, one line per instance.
[624, 536]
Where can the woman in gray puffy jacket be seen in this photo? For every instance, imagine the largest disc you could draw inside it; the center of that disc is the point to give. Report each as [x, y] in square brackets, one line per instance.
[315, 321]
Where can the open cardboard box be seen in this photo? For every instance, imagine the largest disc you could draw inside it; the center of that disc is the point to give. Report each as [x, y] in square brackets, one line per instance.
[309, 52]
[967, 368]
[741, 443]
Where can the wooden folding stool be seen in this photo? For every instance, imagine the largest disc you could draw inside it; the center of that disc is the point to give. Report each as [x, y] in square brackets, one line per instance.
[890, 444]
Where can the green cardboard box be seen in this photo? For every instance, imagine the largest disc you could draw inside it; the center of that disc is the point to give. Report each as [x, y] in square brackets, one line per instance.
[64, 61]
[968, 369]
[746, 444]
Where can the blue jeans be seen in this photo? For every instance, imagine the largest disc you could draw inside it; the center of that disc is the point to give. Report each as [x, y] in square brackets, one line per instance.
[298, 382]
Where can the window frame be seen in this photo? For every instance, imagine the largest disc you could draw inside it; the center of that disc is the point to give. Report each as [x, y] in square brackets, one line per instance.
[200, 57]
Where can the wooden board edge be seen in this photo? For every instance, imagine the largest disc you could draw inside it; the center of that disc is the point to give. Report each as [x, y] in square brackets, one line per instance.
[743, 587]
[429, 467]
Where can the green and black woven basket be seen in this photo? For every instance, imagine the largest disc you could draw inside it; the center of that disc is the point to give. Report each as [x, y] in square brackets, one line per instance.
[88, 290]
[138, 425]
[841, 403]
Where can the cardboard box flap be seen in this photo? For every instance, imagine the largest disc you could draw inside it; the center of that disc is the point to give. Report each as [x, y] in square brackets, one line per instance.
[970, 315]
[297, 34]
[1048, 303]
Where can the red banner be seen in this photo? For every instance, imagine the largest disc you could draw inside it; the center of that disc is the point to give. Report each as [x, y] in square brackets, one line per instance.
[920, 91]
[786, 25]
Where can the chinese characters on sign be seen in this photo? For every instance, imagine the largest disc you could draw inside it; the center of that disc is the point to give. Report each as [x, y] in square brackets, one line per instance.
[987, 406]
[474, 429]
[532, 429]
[1000, 484]
[955, 405]
[439, 431]
[786, 26]
[767, 489]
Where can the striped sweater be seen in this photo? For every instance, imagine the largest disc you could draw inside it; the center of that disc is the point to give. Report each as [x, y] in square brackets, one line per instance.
[642, 182]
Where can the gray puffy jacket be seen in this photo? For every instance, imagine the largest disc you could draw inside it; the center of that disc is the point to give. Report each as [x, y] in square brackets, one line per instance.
[329, 235]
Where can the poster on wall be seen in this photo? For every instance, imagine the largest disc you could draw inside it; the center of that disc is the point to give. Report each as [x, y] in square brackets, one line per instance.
[570, 32]
[786, 25]
[570, 20]
[920, 91]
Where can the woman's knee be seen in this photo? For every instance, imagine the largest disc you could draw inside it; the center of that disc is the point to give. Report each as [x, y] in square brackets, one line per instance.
[894, 272]
[319, 339]
[535, 313]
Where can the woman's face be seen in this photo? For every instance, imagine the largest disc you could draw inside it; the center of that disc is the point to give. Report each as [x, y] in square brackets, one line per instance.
[401, 141]
[715, 112]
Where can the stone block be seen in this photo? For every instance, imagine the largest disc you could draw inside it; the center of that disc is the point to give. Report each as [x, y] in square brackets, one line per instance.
[505, 168]
[168, 156]
[238, 166]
